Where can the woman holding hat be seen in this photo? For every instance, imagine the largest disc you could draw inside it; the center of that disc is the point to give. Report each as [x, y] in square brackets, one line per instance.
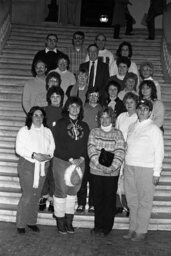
[71, 136]
[143, 165]
[35, 146]
[106, 150]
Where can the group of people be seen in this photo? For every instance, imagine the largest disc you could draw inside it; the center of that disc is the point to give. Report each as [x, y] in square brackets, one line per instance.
[91, 118]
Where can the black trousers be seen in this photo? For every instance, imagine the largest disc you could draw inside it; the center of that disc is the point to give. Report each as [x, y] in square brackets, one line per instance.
[151, 22]
[82, 193]
[49, 184]
[104, 195]
[129, 26]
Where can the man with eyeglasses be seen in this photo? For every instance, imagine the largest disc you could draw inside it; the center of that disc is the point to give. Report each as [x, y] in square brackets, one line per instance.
[34, 93]
[77, 53]
[49, 55]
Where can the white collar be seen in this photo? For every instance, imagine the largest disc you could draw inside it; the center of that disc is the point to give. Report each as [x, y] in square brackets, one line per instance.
[106, 128]
[47, 50]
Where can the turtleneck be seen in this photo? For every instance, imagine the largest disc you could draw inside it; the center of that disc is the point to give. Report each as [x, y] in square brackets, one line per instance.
[106, 128]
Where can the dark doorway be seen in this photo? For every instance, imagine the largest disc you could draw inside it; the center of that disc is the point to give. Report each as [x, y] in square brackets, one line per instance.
[92, 10]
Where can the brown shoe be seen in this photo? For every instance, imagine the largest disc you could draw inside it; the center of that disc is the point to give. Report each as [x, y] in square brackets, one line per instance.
[138, 237]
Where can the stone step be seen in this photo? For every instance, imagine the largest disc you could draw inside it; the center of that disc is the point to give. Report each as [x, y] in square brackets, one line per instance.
[13, 201]
[11, 113]
[17, 123]
[63, 44]
[8, 157]
[17, 71]
[27, 56]
[15, 66]
[158, 221]
[5, 182]
[9, 56]
[10, 98]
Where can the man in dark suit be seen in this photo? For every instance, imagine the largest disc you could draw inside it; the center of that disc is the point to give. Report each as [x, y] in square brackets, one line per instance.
[98, 71]
[49, 55]
[156, 8]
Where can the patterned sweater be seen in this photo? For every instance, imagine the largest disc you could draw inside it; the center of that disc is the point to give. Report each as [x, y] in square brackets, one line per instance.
[112, 141]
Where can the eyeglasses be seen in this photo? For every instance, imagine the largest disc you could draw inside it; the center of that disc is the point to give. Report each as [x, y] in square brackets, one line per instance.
[38, 116]
[93, 95]
[142, 108]
[78, 38]
[52, 40]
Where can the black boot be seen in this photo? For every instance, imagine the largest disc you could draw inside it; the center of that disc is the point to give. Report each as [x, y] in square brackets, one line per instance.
[42, 204]
[68, 223]
[61, 225]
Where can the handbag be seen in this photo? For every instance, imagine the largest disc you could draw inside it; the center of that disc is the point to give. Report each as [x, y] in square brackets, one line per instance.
[106, 158]
[144, 20]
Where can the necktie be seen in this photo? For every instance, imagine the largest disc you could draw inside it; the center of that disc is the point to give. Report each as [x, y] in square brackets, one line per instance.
[91, 77]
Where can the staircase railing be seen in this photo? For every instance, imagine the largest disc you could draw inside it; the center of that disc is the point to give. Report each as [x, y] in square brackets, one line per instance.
[5, 21]
[166, 43]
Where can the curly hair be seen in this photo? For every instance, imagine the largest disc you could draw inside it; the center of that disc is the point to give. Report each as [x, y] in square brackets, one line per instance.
[109, 111]
[119, 50]
[124, 60]
[151, 85]
[79, 33]
[65, 57]
[30, 114]
[55, 75]
[131, 75]
[114, 83]
[130, 95]
[55, 89]
[146, 64]
[69, 102]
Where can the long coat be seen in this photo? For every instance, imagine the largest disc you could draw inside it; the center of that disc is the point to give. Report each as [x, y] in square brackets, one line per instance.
[119, 11]
[156, 8]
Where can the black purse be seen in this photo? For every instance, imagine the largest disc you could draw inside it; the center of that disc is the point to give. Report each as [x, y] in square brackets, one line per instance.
[106, 158]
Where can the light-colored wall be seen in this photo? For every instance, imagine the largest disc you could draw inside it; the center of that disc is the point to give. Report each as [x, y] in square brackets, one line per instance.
[138, 8]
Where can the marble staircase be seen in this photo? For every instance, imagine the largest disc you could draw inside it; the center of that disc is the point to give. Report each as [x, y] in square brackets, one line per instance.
[15, 64]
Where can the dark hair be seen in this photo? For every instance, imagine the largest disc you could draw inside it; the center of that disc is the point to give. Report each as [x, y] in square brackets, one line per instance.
[30, 114]
[119, 50]
[151, 85]
[83, 70]
[130, 95]
[50, 75]
[124, 60]
[55, 89]
[109, 111]
[65, 57]
[131, 75]
[92, 45]
[69, 102]
[80, 33]
[100, 34]
[92, 90]
[114, 83]
[51, 34]
[34, 67]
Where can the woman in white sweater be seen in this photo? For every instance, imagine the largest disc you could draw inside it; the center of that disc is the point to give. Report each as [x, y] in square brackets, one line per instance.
[35, 146]
[143, 165]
